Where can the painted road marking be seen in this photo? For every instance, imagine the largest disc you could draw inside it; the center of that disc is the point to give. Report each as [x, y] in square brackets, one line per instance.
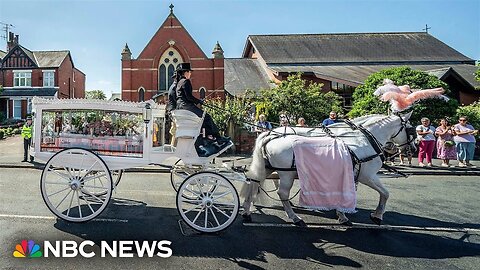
[367, 226]
[54, 218]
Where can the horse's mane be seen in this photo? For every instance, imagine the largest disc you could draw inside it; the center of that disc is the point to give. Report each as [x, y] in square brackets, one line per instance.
[358, 120]
[374, 119]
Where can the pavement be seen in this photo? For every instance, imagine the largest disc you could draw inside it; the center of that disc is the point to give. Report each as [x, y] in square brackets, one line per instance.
[12, 156]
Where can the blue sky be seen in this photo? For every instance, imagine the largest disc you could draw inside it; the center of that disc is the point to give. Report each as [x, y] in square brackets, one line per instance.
[96, 31]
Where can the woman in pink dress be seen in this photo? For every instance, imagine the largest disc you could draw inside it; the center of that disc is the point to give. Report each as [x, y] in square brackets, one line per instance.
[445, 146]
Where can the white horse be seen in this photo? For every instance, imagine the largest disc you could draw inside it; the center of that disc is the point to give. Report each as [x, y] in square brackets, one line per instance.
[280, 152]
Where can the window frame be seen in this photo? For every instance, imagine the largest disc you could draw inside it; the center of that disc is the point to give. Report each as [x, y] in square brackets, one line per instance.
[19, 101]
[22, 75]
[50, 79]
[165, 78]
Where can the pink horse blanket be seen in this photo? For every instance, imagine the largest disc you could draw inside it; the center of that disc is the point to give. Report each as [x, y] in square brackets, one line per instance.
[325, 170]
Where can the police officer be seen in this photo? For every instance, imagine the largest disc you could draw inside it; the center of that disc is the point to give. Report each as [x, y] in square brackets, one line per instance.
[27, 138]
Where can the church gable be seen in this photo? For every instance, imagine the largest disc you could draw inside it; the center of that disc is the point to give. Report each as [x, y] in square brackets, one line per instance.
[172, 33]
[19, 57]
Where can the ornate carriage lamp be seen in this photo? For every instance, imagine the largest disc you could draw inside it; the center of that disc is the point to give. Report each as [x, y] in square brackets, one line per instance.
[147, 116]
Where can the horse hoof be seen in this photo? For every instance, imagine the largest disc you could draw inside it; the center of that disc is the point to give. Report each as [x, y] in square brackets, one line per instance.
[376, 220]
[347, 223]
[301, 223]
[247, 218]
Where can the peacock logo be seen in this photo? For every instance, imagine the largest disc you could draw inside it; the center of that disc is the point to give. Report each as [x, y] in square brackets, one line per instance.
[27, 249]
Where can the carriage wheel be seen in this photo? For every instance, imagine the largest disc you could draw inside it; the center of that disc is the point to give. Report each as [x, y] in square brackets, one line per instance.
[177, 175]
[116, 177]
[68, 190]
[207, 202]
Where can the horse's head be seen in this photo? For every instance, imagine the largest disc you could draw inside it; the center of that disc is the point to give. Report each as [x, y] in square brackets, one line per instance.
[405, 135]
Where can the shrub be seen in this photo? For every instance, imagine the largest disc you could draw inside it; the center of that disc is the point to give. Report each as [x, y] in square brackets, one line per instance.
[297, 98]
[17, 131]
[2, 134]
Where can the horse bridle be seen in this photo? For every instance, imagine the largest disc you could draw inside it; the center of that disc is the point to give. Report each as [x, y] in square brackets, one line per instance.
[410, 132]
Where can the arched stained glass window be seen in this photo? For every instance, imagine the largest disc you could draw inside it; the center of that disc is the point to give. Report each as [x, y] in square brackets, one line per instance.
[171, 70]
[163, 83]
[168, 62]
[141, 94]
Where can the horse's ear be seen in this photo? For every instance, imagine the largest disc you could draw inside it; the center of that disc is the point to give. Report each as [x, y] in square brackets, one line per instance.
[406, 116]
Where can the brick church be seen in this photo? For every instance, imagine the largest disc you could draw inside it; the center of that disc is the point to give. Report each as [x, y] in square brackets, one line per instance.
[150, 73]
[340, 61]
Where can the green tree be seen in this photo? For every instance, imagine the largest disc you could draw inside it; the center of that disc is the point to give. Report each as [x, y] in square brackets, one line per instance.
[232, 110]
[364, 102]
[297, 98]
[95, 94]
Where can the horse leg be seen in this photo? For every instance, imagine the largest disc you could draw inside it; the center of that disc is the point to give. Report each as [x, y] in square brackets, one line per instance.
[342, 218]
[377, 215]
[286, 183]
[247, 217]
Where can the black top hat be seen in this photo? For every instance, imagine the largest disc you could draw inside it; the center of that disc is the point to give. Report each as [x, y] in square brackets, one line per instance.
[184, 67]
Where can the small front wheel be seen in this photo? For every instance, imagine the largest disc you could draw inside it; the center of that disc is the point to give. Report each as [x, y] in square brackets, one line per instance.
[207, 202]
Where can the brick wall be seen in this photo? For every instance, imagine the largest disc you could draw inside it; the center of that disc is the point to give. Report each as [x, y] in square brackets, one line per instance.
[244, 141]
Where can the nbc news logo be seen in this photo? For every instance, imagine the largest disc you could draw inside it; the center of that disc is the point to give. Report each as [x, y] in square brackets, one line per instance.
[116, 249]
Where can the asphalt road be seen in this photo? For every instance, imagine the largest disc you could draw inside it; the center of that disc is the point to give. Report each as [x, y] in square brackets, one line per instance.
[432, 222]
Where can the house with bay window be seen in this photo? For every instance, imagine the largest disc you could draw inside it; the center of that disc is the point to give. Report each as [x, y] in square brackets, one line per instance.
[25, 74]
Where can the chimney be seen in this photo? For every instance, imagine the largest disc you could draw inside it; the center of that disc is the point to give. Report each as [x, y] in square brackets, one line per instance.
[12, 41]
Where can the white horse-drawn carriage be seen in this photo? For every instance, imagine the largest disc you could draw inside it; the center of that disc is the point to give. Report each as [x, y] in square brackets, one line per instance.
[87, 144]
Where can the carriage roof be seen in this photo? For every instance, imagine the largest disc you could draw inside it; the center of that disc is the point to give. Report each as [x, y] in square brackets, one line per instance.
[94, 104]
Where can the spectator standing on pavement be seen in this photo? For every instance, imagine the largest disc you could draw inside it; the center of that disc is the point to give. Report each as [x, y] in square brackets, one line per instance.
[332, 119]
[27, 138]
[445, 146]
[301, 122]
[262, 124]
[426, 138]
[406, 152]
[465, 141]
[284, 120]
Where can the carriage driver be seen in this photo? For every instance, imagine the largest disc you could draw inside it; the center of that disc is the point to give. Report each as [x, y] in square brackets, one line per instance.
[186, 101]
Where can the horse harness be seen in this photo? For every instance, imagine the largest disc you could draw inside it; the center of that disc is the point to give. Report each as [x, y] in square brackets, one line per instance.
[357, 162]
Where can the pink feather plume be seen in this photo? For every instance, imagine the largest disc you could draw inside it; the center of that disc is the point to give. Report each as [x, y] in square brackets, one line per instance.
[402, 101]
[402, 97]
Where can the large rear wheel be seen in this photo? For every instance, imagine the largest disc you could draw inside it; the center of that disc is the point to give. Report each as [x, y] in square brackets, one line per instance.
[76, 185]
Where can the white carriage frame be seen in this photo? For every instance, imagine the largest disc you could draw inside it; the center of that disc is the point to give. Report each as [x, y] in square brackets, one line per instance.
[197, 171]
[188, 129]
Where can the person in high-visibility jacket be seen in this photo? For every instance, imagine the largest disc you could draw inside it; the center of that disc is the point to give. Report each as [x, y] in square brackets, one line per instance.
[27, 138]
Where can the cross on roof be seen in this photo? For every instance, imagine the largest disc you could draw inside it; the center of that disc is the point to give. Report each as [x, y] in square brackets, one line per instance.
[171, 8]
[426, 28]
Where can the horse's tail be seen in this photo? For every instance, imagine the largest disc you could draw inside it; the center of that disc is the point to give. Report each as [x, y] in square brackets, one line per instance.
[251, 191]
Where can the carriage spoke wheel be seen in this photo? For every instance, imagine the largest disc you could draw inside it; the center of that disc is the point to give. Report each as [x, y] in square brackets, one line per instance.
[76, 185]
[178, 174]
[116, 177]
[207, 202]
